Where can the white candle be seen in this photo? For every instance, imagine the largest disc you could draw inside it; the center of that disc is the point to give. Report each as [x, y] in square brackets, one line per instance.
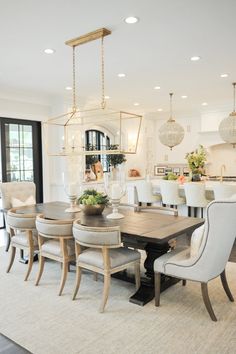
[72, 189]
[116, 191]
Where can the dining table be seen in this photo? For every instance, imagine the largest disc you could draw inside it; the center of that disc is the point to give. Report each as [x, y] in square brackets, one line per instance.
[149, 231]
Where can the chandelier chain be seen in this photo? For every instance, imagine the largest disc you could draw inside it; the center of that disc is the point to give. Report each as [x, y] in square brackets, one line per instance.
[74, 77]
[234, 84]
[171, 108]
[102, 74]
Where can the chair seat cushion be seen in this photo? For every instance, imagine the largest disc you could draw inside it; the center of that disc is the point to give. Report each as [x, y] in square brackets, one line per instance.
[21, 239]
[118, 257]
[53, 247]
[179, 254]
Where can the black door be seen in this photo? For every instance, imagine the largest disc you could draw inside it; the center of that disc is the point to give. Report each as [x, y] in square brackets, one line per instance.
[21, 149]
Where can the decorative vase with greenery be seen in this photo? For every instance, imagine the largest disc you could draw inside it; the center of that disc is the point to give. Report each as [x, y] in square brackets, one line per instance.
[92, 202]
[170, 177]
[196, 161]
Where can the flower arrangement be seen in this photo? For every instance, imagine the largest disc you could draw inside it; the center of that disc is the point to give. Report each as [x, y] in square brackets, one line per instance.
[171, 177]
[196, 160]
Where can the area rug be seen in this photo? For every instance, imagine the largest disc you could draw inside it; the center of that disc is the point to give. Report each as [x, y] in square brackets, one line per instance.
[44, 323]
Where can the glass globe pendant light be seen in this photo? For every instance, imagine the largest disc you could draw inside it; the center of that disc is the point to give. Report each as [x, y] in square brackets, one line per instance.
[227, 127]
[171, 133]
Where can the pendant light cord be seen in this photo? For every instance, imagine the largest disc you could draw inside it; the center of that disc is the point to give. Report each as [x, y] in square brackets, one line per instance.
[103, 103]
[234, 84]
[74, 94]
[171, 110]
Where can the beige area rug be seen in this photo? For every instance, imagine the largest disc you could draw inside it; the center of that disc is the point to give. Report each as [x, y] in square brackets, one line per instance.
[44, 323]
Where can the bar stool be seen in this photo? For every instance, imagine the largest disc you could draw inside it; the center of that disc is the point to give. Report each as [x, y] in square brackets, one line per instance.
[223, 191]
[170, 193]
[195, 197]
[145, 193]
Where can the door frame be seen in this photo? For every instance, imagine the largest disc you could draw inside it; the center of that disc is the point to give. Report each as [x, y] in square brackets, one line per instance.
[37, 152]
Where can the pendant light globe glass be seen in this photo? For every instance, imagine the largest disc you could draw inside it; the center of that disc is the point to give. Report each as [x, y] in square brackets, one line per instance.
[171, 133]
[227, 127]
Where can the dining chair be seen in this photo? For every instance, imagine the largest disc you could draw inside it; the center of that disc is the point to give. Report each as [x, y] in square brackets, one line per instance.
[170, 193]
[208, 260]
[223, 190]
[195, 197]
[16, 194]
[104, 255]
[145, 193]
[23, 235]
[56, 242]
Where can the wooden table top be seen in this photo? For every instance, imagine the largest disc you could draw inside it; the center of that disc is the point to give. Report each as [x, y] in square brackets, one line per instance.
[146, 226]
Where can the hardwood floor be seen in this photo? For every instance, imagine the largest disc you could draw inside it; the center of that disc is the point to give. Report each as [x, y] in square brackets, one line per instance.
[7, 346]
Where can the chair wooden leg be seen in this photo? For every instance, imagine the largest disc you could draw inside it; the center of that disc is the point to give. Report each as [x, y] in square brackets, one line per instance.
[41, 267]
[77, 282]
[189, 211]
[106, 288]
[30, 264]
[13, 253]
[63, 277]
[157, 288]
[207, 301]
[184, 282]
[8, 242]
[195, 212]
[226, 286]
[137, 275]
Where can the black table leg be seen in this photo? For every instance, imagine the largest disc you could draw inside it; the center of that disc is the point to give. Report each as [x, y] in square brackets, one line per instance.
[146, 291]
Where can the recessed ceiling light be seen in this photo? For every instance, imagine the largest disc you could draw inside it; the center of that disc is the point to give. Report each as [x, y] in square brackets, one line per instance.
[121, 75]
[136, 104]
[160, 110]
[184, 96]
[195, 58]
[157, 88]
[204, 104]
[68, 88]
[131, 20]
[49, 51]
[224, 75]
[107, 97]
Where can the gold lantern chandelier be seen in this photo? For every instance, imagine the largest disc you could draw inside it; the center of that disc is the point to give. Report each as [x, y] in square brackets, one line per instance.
[66, 134]
[171, 133]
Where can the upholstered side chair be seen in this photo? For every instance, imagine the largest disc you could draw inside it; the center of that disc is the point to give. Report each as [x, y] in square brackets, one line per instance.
[170, 193]
[23, 235]
[104, 255]
[208, 254]
[56, 242]
[16, 194]
[145, 193]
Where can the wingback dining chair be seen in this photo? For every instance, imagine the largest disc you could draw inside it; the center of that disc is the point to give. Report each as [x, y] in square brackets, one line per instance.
[215, 242]
[16, 194]
[56, 242]
[23, 235]
[104, 255]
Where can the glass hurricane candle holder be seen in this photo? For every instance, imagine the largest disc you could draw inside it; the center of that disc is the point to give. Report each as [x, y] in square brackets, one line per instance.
[72, 189]
[115, 188]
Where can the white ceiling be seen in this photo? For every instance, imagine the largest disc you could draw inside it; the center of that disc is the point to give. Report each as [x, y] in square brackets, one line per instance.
[155, 51]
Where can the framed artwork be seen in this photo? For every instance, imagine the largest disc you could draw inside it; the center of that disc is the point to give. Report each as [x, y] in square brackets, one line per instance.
[176, 170]
[168, 170]
[159, 170]
[185, 171]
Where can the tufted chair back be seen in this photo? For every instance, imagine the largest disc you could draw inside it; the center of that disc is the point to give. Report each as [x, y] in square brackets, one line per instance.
[19, 190]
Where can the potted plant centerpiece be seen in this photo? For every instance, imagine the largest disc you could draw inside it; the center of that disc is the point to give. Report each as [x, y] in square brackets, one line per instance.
[196, 162]
[92, 202]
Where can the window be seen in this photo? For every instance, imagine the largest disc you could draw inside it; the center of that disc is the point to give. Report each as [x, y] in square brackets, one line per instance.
[96, 139]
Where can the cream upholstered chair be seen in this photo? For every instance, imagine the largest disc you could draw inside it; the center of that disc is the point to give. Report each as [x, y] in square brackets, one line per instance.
[145, 193]
[170, 193]
[104, 255]
[55, 242]
[16, 194]
[223, 190]
[195, 197]
[23, 235]
[209, 252]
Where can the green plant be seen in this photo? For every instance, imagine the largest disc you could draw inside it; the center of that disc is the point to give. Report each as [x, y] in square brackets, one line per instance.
[92, 197]
[115, 159]
[196, 160]
[171, 177]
